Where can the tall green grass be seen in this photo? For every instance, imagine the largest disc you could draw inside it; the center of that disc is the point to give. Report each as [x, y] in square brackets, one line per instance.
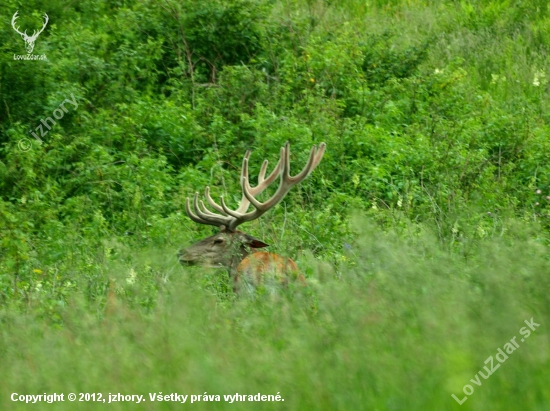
[403, 325]
[400, 319]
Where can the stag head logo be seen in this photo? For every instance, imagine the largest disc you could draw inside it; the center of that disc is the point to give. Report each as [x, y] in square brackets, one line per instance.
[29, 40]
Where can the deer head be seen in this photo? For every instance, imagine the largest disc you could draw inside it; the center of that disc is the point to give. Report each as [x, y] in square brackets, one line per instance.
[225, 249]
[29, 40]
[230, 247]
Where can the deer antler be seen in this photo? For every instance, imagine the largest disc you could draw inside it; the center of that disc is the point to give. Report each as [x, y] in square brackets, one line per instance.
[230, 219]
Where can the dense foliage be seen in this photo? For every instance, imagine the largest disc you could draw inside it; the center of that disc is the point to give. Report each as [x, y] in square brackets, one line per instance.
[435, 115]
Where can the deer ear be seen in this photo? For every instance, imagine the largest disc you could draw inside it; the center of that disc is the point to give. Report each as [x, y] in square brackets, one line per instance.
[254, 242]
[258, 244]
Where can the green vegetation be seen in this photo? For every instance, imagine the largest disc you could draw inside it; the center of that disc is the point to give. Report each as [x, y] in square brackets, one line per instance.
[424, 232]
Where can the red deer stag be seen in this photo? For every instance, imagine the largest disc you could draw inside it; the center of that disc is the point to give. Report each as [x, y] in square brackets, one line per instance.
[235, 250]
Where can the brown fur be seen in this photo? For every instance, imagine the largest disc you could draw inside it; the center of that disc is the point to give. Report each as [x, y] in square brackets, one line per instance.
[262, 267]
[238, 252]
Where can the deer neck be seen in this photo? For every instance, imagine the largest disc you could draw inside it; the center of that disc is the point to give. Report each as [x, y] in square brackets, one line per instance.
[238, 252]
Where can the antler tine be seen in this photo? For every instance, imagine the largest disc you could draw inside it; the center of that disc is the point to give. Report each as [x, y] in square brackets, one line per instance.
[319, 155]
[207, 216]
[263, 182]
[287, 182]
[232, 218]
[205, 211]
[203, 216]
[190, 214]
[263, 169]
[236, 213]
[243, 206]
[315, 156]
[215, 205]
[226, 211]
